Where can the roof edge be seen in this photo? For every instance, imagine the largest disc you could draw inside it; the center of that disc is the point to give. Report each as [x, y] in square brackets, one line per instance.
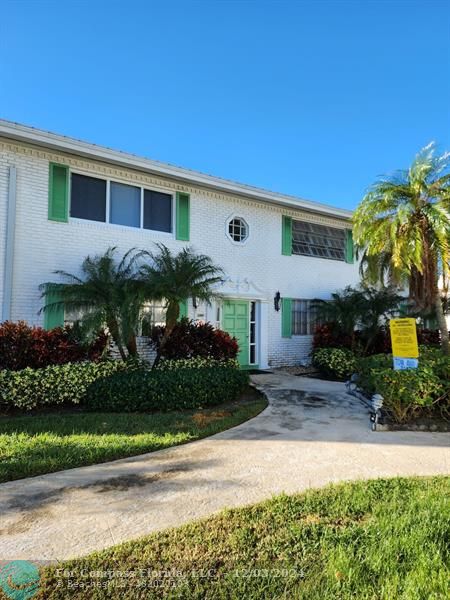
[47, 139]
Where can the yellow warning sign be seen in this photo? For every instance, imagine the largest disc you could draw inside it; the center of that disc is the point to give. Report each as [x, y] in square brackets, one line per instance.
[404, 338]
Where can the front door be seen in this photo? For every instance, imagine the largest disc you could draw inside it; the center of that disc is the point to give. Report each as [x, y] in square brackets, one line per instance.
[236, 323]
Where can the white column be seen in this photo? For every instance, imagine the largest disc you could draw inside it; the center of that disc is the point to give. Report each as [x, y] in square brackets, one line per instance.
[9, 249]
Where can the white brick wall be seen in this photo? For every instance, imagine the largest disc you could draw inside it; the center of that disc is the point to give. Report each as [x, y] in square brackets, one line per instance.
[42, 246]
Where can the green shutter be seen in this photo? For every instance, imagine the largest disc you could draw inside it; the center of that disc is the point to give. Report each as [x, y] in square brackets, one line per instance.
[183, 310]
[58, 193]
[286, 239]
[182, 217]
[286, 317]
[53, 317]
[349, 252]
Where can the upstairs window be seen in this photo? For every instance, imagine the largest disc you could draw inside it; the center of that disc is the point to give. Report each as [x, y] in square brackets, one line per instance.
[157, 211]
[310, 239]
[125, 205]
[88, 198]
[120, 204]
[237, 229]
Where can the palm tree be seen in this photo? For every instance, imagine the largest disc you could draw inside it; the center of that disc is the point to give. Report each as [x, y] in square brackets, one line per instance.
[402, 227]
[363, 309]
[343, 310]
[172, 278]
[108, 293]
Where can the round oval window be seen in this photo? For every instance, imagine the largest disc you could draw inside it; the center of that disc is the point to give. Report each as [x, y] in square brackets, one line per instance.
[238, 229]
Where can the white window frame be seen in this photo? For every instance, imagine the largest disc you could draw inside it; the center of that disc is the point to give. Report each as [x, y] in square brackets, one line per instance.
[227, 231]
[308, 317]
[311, 255]
[106, 223]
[256, 342]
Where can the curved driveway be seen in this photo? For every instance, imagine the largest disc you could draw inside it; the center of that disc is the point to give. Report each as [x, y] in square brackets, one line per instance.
[311, 434]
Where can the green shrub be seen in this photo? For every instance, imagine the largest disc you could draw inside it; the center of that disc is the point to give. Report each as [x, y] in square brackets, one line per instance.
[338, 363]
[411, 392]
[195, 363]
[171, 389]
[53, 385]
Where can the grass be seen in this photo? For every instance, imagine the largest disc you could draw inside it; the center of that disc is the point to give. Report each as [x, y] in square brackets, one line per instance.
[33, 445]
[380, 539]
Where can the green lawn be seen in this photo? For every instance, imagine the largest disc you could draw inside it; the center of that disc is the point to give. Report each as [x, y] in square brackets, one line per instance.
[38, 444]
[381, 539]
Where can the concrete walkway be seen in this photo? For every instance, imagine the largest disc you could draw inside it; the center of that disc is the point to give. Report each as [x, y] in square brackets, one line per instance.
[311, 434]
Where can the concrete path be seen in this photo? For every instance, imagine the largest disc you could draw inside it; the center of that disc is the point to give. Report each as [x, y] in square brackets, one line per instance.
[311, 434]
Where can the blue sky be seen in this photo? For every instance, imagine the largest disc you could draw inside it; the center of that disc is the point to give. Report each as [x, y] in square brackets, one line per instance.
[314, 99]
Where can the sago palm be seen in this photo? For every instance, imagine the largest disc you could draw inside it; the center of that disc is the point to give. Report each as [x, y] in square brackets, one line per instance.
[108, 293]
[402, 227]
[173, 278]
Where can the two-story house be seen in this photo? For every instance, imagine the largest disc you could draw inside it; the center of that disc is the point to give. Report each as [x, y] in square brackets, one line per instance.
[62, 199]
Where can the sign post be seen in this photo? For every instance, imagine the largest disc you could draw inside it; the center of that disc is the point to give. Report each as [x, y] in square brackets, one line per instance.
[405, 349]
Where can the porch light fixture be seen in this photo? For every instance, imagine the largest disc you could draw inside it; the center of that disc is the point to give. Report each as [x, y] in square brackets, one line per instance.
[276, 301]
[194, 302]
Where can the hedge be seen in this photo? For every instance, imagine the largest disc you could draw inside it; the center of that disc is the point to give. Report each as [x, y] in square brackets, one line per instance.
[54, 385]
[195, 363]
[164, 390]
[410, 393]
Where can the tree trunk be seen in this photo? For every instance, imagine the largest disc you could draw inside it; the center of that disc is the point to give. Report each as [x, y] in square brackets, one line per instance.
[132, 346]
[114, 331]
[442, 323]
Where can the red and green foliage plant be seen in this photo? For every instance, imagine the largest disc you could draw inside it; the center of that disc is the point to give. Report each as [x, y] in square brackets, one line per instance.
[330, 335]
[22, 346]
[189, 340]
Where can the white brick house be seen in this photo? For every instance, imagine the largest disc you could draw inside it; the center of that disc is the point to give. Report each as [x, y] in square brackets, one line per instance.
[62, 199]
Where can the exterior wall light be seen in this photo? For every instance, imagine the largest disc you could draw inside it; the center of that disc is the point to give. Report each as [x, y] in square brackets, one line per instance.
[276, 301]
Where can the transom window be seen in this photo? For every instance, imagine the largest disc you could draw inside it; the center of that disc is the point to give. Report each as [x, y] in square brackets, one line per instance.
[304, 318]
[238, 229]
[310, 239]
[93, 199]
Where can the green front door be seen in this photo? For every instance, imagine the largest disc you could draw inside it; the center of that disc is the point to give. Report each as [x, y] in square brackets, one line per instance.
[236, 323]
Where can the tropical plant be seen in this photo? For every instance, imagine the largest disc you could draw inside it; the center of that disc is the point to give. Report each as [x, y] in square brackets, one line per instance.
[377, 306]
[22, 346]
[402, 229]
[172, 278]
[108, 293]
[343, 310]
[337, 363]
[410, 393]
[355, 315]
[190, 340]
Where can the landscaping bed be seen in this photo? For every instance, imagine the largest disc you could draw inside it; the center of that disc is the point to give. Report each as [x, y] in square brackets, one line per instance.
[432, 424]
[46, 442]
[383, 539]
[413, 399]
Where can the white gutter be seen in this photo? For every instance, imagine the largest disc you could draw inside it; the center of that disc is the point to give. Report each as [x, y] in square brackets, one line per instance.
[38, 137]
[9, 249]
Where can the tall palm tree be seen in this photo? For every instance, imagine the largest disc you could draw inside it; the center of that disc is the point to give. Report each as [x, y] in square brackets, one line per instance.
[172, 278]
[108, 293]
[402, 227]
